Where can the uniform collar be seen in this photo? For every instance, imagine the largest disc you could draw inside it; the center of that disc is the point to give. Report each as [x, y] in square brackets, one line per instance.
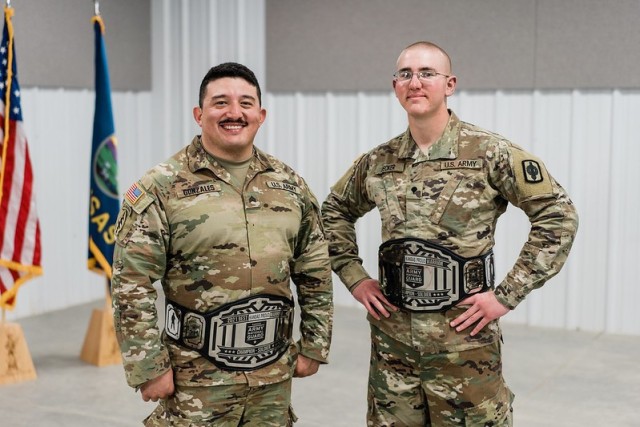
[444, 148]
[198, 159]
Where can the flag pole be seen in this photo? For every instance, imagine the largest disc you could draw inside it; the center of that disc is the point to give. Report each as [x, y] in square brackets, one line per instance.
[100, 346]
[6, 115]
[17, 364]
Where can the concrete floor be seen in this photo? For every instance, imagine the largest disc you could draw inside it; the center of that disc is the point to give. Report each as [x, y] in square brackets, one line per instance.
[560, 378]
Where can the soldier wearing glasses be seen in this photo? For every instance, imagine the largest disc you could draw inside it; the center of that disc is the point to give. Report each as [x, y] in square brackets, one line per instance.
[440, 188]
[224, 227]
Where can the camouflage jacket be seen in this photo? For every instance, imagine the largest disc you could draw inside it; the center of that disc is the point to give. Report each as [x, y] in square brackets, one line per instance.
[451, 196]
[210, 243]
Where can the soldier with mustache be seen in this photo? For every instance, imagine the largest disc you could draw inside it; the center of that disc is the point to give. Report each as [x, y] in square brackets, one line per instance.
[224, 227]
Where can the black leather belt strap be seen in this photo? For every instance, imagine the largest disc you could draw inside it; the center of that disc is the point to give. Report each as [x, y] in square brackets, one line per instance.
[243, 335]
[421, 276]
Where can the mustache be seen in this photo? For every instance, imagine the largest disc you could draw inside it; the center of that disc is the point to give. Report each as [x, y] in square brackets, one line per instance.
[238, 121]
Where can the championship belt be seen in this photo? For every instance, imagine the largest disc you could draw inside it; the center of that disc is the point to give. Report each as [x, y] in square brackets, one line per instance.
[417, 275]
[242, 335]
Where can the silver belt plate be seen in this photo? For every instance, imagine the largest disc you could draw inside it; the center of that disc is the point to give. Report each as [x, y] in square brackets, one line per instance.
[430, 278]
[424, 277]
[245, 335]
[251, 334]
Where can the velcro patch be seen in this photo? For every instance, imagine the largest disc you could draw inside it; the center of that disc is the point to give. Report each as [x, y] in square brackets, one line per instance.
[531, 170]
[138, 198]
[461, 164]
[390, 167]
[532, 178]
[122, 218]
[198, 188]
[284, 186]
[134, 193]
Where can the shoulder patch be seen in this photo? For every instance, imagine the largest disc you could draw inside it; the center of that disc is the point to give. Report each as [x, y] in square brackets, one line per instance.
[138, 198]
[125, 212]
[341, 187]
[134, 193]
[532, 171]
[532, 178]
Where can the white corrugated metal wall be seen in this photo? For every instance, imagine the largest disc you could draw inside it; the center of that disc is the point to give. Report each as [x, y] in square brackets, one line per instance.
[59, 124]
[586, 140]
[585, 137]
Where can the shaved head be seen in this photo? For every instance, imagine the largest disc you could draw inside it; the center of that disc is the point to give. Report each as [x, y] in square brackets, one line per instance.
[430, 46]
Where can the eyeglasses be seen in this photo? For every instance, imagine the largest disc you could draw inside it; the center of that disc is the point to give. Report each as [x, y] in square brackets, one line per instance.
[424, 75]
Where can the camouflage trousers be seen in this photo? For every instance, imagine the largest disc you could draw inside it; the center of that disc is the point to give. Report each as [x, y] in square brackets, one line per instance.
[412, 389]
[226, 406]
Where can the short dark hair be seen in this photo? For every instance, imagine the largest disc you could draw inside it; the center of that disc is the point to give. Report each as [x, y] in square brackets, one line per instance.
[228, 69]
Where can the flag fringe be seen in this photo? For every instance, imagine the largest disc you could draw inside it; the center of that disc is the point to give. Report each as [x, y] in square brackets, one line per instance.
[8, 298]
[103, 265]
[8, 12]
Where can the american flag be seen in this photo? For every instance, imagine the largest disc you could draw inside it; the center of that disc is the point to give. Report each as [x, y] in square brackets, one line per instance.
[19, 226]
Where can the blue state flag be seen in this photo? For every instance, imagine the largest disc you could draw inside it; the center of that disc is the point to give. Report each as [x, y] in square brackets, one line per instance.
[104, 202]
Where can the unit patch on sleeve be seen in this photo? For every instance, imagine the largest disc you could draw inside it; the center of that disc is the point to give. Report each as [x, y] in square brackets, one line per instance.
[531, 170]
[122, 218]
[531, 176]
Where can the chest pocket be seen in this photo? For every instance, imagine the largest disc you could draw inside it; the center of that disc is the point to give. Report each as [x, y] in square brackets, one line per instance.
[445, 197]
[384, 191]
[455, 207]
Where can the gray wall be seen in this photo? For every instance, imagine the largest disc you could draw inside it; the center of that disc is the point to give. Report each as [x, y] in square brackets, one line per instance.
[55, 43]
[335, 45]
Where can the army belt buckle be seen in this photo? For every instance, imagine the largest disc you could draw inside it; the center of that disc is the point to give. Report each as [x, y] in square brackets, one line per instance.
[244, 335]
[432, 278]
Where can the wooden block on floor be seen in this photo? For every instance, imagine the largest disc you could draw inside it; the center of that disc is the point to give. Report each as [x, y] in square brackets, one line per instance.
[15, 360]
[100, 346]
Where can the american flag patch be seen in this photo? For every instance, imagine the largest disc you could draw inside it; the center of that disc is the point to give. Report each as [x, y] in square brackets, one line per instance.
[133, 193]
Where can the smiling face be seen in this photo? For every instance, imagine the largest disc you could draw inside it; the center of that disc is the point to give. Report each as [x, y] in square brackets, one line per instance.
[230, 117]
[424, 98]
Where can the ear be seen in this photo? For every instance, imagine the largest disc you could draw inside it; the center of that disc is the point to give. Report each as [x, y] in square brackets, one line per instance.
[263, 115]
[451, 85]
[197, 115]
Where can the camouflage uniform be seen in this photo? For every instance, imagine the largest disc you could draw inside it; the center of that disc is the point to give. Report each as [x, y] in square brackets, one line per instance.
[451, 196]
[210, 243]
